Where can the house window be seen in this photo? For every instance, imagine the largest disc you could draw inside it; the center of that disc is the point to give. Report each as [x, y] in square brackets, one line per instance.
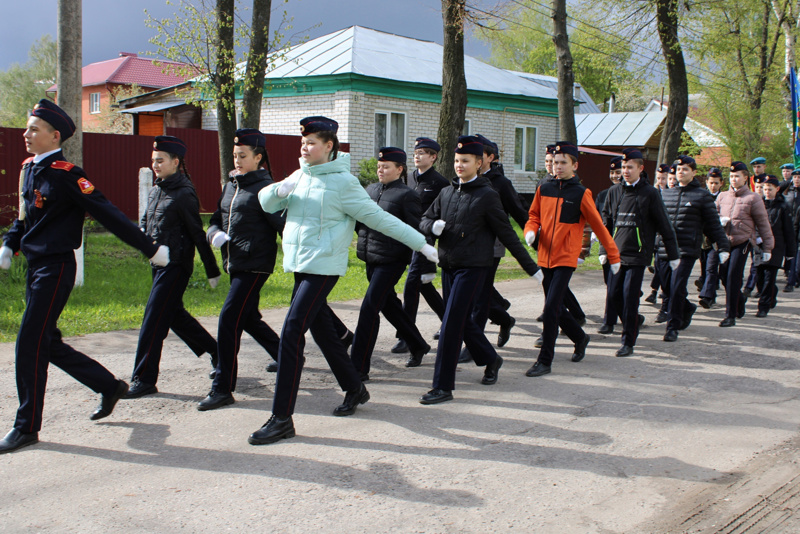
[525, 149]
[94, 103]
[390, 129]
[467, 127]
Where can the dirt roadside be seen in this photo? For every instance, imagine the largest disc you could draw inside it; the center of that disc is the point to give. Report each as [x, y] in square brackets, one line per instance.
[688, 436]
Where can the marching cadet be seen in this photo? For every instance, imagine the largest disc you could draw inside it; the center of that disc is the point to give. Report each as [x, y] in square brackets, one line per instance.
[786, 174]
[753, 281]
[780, 221]
[427, 183]
[322, 202]
[609, 317]
[634, 212]
[742, 213]
[172, 218]
[54, 198]
[792, 196]
[708, 292]
[558, 215]
[466, 218]
[661, 183]
[692, 212]
[386, 260]
[247, 239]
[672, 180]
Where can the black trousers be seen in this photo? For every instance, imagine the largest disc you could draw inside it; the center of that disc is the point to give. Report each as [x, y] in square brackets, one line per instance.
[752, 277]
[381, 298]
[609, 315]
[676, 283]
[240, 314]
[769, 289]
[39, 343]
[624, 290]
[489, 305]
[165, 310]
[731, 273]
[414, 288]
[703, 262]
[711, 283]
[656, 282]
[461, 288]
[556, 286]
[309, 311]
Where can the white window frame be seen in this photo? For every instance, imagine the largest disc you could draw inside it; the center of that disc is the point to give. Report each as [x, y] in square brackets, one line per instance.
[387, 133]
[467, 129]
[525, 144]
[94, 103]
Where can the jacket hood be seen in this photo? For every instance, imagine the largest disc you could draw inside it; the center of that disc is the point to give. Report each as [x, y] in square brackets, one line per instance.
[339, 165]
[252, 177]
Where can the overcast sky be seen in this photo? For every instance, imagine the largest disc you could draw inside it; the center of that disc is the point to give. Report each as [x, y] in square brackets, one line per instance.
[110, 27]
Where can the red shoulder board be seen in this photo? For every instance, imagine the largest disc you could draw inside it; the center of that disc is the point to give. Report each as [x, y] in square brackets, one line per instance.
[27, 160]
[62, 165]
[85, 185]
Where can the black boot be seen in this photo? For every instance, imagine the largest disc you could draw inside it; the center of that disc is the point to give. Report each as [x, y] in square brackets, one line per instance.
[275, 429]
[351, 400]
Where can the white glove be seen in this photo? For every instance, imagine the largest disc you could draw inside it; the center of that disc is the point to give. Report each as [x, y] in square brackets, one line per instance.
[766, 256]
[430, 252]
[427, 278]
[580, 261]
[219, 239]
[530, 237]
[5, 257]
[615, 267]
[759, 240]
[603, 259]
[724, 220]
[214, 281]
[673, 264]
[161, 257]
[724, 256]
[286, 187]
[438, 227]
[538, 276]
[594, 238]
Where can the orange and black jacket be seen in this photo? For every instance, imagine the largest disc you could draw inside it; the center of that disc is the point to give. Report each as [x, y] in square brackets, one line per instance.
[559, 212]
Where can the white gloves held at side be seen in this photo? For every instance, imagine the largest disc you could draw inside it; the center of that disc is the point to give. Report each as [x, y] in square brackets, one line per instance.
[724, 257]
[615, 267]
[603, 259]
[724, 220]
[430, 252]
[673, 264]
[161, 257]
[5, 257]
[530, 237]
[438, 227]
[538, 275]
[759, 240]
[213, 282]
[427, 278]
[766, 256]
[219, 239]
[286, 187]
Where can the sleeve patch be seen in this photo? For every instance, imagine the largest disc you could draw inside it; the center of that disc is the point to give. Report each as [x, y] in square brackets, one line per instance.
[62, 165]
[85, 185]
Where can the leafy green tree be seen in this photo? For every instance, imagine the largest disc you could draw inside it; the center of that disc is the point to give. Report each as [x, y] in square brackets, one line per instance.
[21, 86]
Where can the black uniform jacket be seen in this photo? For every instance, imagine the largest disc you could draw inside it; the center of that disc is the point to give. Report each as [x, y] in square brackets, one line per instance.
[253, 245]
[428, 185]
[780, 220]
[401, 201]
[693, 214]
[57, 195]
[510, 199]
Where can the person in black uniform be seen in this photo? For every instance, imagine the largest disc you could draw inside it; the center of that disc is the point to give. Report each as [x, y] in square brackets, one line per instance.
[780, 220]
[614, 174]
[54, 198]
[247, 238]
[427, 183]
[172, 217]
[792, 196]
[662, 184]
[386, 260]
[466, 218]
[708, 293]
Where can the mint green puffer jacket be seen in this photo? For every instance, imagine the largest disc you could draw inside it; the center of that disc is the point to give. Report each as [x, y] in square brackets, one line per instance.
[321, 214]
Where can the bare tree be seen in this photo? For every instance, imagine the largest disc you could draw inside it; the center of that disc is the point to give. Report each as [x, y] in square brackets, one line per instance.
[667, 22]
[224, 80]
[69, 72]
[253, 92]
[566, 76]
[454, 85]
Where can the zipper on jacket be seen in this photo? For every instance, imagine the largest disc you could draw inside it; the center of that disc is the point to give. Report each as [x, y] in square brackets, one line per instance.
[555, 219]
[230, 216]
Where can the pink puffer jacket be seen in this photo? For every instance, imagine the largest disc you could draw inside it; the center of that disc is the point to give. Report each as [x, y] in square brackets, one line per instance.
[747, 213]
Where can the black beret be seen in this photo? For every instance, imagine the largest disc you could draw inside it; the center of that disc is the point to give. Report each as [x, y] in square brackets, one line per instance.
[565, 147]
[424, 142]
[715, 171]
[739, 166]
[631, 153]
[664, 167]
[168, 143]
[469, 144]
[55, 117]
[684, 160]
[759, 178]
[770, 179]
[316, 124]
[391, 153]
[616, 163]
[250, 137]
[673, 169]
[550, 149]
[488, 143]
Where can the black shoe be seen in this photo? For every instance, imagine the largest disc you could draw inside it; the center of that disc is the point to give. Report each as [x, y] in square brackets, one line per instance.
[275, 429]
[465, 356]
[706, 303]
[746, 293]
[351, 400]
[435, 396]
[671, 335]
[650, 269]
[538, 369]
[400, 347]
[539, 342]
[214, 361]
[490, 373]
[687, 316]
[214, 400]
[540, 318]
[624, 350]
[505, 332]
[606, 329]
[416, 357]
[742, 310]
[728, 321]
[641, 320]
[788, 289]
[348, 340]
[698, 284]
[651, 298]
[757, 295]
[140, 389]
[662, 317]
[506, 304]
[580, 349]
[272, 367]
[16, 440]
[761, 313]
[107, 402]
[437, 334]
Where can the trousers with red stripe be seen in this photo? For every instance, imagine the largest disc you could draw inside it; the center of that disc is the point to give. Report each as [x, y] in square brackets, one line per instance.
[39, 344]
[309, 311]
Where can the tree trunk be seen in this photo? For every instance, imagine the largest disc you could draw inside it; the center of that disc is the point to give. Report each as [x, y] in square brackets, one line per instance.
[68, 77]
[566, 77]
[667, 20]
[224, 79]
[454, 85]
[253, 92]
